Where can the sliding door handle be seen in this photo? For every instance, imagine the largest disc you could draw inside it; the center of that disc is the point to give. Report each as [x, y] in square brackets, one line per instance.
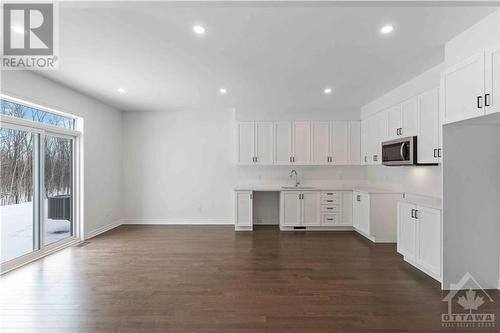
[479, 102]
[486, 100]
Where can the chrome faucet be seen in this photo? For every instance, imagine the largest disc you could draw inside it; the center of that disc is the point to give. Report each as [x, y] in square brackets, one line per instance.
[297, 183]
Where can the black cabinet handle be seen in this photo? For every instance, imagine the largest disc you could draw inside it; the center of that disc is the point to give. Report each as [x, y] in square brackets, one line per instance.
[358, 197]
[486, 101]
[479, 102]
[416, 212]
[412, 213]
[435, 152]
[439, 152]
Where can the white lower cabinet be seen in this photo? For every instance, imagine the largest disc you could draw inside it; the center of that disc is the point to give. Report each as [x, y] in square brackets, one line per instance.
[374, 215]
[243, 210]
[420, 237]
[315, 208]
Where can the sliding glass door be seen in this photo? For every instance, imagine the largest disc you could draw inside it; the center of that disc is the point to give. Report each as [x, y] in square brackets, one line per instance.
[19, 193]
[58, 199]
[37, 182]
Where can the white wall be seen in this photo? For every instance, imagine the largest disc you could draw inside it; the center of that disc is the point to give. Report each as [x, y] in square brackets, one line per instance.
[423, 180]
[179, 167]
[102, 141]
[484, 34]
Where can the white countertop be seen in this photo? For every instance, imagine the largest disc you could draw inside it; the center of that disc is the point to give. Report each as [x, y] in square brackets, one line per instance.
[340, 186]
[422, 200]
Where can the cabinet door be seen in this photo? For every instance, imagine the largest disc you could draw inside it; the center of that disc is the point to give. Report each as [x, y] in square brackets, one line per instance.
[393, 121]
[354, 143]
[464, 90]
[246, 142]
[301, 142]
[380, 135]
[361, 212]
[339, 136]
[282, 142]
[264, 142]
[372, 139]
[291, 208]
[428, 253]
[409, 118]
[244, 208]
[364, 224]
[365, 145]
[311, 208]
[406, 230]
[428, 118]
[492, 88]
[320, 150]
[356, 209]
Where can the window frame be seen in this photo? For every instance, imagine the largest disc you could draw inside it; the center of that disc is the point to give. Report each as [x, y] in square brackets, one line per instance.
[76, 137]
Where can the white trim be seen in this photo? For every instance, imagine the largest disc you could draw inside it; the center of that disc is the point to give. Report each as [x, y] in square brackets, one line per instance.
[30, 257]
[498, 284]
[37, 125]
[103, 229]
[193, 221]
[316, 228]
[27, 102]
[266, 221]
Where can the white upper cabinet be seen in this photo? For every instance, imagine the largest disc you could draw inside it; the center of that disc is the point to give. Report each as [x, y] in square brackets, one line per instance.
[402, 119]
[429, 143]
[354, 142]
[246, 137]
[379, 136]
[301, 142]
[283, 142]
[463, 88]
[264, 143]
[339, 142]
[492, 82]
[393, 121]
[365, 147]
[409, 118]
[320, 136]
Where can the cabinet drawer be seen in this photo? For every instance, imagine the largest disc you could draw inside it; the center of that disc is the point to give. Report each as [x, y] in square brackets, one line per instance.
[330, 219]
[330, 208]
[330, 195]
[330, 201]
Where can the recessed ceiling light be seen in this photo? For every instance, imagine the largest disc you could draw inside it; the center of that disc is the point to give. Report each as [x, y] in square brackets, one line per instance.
[223, 91]
[18, 29]
[327, 90]
[198, 29]
[121, 90]
[386, 29]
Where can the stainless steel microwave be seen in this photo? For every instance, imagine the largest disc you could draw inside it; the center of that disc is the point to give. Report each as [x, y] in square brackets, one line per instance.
[400, 151]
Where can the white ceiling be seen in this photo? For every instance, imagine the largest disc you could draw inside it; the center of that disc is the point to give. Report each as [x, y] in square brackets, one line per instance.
[269, 58]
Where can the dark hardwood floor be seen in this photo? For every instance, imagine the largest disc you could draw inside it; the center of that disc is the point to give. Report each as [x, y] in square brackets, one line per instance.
[211, 279]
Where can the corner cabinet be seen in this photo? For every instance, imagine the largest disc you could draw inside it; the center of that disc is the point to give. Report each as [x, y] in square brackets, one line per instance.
[374, 215]
[299, 143]
[420, 237]
[471, 88]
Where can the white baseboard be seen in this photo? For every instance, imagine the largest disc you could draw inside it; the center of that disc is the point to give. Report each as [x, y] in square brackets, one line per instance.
[196, 221]
[102, 229]
[498, 284]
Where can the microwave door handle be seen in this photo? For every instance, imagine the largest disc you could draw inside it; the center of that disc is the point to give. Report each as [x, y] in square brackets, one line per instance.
[401, 151]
